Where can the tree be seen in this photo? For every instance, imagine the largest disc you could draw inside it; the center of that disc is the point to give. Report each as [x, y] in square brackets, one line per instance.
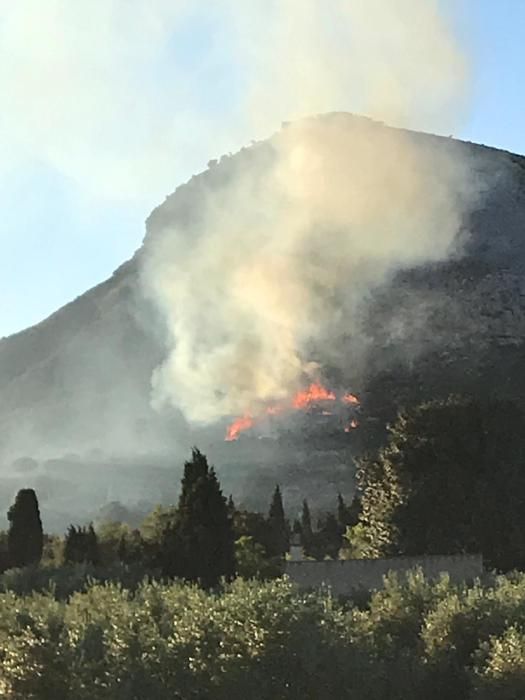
[252, 560]
[251, 524]
[4, 555]
[278, 534]
[306, 528]
[25, 539]
[328, 539]
[157, 522]
[81, 546]
[92, 554]
[450, 479]
[347, 516]
[231, 506]
[199, 546]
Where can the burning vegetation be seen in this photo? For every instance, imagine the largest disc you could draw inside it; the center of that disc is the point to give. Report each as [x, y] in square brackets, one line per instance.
[315, 397]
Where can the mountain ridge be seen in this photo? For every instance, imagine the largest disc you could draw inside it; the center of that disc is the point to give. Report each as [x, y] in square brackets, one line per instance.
[80, 380]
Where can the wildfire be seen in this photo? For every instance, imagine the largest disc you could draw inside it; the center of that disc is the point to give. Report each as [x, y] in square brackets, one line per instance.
[237, 427]
[315, 394]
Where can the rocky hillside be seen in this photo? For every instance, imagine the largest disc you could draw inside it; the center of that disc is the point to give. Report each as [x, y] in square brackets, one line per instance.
[78, 383]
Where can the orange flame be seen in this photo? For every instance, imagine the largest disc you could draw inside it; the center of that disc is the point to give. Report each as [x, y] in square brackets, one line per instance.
[350, 399]
[314, 393]
[238, 426]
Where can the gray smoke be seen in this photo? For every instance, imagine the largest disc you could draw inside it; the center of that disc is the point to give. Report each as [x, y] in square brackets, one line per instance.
[281, 261]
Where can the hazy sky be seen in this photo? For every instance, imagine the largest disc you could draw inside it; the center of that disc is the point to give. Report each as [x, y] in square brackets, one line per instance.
[108, 105]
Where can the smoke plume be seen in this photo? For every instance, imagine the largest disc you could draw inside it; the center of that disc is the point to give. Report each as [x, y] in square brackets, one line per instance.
[286, 246]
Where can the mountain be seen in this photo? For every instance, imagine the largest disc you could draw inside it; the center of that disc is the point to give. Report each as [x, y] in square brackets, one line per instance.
[75, 389]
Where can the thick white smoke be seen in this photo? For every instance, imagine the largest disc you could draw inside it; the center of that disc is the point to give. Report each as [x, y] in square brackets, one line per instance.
[284, 254]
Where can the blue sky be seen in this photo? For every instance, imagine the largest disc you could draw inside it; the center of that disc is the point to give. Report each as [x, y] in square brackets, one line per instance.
[492, 33]
[108, 106]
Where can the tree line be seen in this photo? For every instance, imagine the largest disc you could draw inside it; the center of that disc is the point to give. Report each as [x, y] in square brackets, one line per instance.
[449, 479]
[204, 539]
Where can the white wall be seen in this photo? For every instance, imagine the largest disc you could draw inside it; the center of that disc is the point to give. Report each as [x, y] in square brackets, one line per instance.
[343, 577]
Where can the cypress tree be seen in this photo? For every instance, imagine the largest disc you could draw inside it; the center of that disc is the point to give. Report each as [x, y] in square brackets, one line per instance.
[279, 541]
[199, 546]
[306, 526]
[342, 511]
[25, 539]
[329, 538]
[348, 516]
[91, 539]
[122, 550]
[71, 545]
[354, 511]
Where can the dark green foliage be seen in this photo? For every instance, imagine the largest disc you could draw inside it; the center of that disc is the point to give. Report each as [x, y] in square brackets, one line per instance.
[122, 550]
[81, 546]
[25, 539]
[4, 555]
[117, 542]
[348, 516]
[278, 531]
[451, 479]
[252, 561]
[63, 581]
[4, 561]
[253, 544]
[250, 524]
[306, 528]
[327, 541]
[199, 546]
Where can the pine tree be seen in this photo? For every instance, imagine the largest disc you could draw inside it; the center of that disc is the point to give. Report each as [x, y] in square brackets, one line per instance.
[200, 544]
[25, 537]
[279, 540]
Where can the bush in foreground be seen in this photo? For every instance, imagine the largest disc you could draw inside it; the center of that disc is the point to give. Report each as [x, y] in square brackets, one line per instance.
[414, 639]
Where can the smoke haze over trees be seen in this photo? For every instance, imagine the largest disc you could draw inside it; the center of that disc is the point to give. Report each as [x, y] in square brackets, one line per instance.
[336, 248]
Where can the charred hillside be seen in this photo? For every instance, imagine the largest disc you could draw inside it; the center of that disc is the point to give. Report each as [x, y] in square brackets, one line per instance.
[78, 384]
